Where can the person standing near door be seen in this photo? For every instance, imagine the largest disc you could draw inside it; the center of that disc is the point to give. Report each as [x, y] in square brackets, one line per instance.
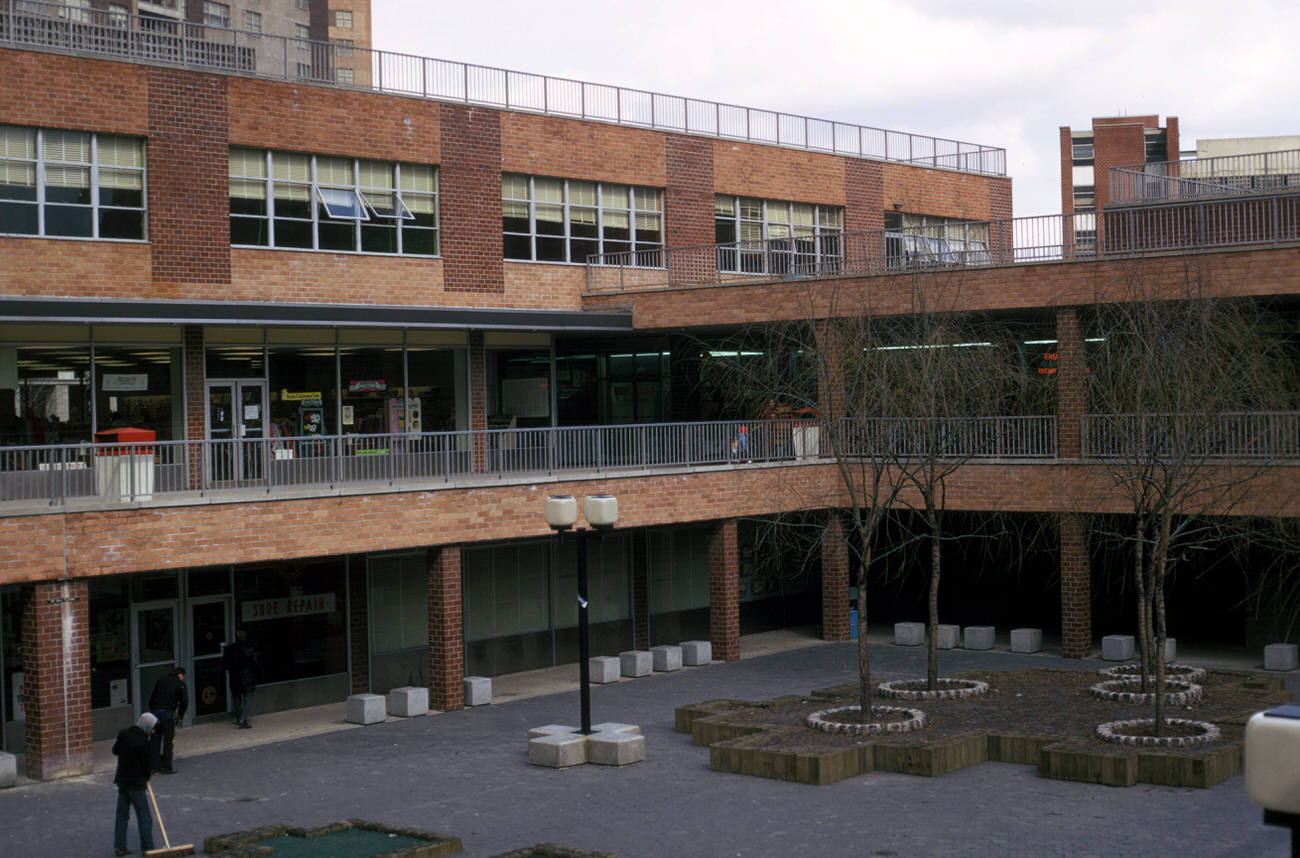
[134, 767]
[244, 670]
[168, 702]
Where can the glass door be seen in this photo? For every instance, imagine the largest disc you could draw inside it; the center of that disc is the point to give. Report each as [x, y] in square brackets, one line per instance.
[236, 431]
[209, 629]
[155, 646]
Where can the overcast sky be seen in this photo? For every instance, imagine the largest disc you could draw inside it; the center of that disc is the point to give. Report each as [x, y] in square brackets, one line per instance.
[1005, 73]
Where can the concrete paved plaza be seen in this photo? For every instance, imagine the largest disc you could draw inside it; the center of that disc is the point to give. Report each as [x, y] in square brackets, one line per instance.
[466, 773]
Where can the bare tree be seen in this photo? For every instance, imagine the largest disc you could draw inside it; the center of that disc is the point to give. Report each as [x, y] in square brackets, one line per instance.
[1183, 392]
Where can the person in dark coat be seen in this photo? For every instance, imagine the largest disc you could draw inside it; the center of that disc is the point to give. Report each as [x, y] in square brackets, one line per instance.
[168, 703]
[244, 670]
[134, 766]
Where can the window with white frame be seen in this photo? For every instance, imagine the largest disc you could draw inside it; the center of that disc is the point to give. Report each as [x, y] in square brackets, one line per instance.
[305, 5]
[303, 70]
[567, 220]
[343, 48]
[70, 183]
[776, 236]
[216, 14]
[347, 76]
[913, 240]
[318, 202]
[77, 11]
[252, 21]
[303, 33]
[118, 15]
[343, 19]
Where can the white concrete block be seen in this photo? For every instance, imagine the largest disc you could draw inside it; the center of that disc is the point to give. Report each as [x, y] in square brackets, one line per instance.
[1280, 656]
[909, 634]
[1171, 649]
[949, 636]
[615, 727]
[636, 662]
[977, 637]
[551, 730]
[666, 657]
[615, 749]
[408, 701]
[8, 770]
[558, 751]
[603, 668]
[1026, 640]
[365, 708]
[478, 690]
[696, 653]
[1117, 648]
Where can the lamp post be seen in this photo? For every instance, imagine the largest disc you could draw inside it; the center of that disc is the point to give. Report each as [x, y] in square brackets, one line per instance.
[601, 512]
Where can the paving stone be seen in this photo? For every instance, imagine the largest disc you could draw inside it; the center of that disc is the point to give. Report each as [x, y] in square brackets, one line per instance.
[615, 727]
[559, 751]
[615, 749]
[551, 730]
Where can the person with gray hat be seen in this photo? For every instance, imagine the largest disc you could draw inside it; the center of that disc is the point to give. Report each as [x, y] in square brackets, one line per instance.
[134, 766]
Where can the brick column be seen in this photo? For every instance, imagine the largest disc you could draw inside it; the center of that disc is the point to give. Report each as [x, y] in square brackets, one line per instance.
[446, 630]
[688, 206]
[196, 404]
[469, 199]
[640, 592]
[835, 580]
[1071, 384]
[56, 679]
[724, 591]
[478, 399]
[359, 624]
[1076, 590]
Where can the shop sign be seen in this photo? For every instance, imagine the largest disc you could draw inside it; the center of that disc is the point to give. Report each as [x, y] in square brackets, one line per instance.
[299, 395]
[125, 381]
[293, 606]
[363, 385]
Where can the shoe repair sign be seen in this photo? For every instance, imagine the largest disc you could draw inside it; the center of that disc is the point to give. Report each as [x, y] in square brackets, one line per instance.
[292, 606]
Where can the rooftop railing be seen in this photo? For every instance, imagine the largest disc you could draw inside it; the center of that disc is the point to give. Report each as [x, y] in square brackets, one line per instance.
[1188, 438]
[54, 26]
[1201, 178]
[1045, 238]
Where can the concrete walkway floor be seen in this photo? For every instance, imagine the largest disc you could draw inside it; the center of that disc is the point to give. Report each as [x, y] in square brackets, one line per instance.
[466, 773]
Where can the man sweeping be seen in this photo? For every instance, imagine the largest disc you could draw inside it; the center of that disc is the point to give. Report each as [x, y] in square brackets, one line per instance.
[134, 766]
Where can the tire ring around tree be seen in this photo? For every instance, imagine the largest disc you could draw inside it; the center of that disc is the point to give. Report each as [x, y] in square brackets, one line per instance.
[1113, 689]
[949, 689]
[1132, 670]
[824, 720]
[1113, 732]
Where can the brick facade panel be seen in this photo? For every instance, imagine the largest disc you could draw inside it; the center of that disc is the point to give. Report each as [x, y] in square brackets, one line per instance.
[53, 91]
[939, 192]
[572, 149]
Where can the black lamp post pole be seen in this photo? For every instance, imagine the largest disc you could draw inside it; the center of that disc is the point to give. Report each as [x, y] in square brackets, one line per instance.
[584, 642]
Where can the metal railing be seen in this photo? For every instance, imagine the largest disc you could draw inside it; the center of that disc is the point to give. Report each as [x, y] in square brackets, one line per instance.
[59, 27]
[1271, 435]
[1044, 238]
[1200, 178]
[1032, 437]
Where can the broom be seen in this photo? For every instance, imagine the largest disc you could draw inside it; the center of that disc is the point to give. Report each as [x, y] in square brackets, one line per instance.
[168, 850]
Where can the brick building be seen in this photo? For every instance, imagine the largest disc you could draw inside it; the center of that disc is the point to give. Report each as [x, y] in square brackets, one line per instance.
[305, 356]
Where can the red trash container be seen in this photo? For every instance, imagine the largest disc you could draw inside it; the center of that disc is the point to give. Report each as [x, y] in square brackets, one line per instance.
[124, 463]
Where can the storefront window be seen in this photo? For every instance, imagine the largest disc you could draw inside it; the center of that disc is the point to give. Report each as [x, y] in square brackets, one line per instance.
[438, 389]
[140, 387]
[110, 646]
[505, 591]
[295, 616]
[303, 391]
[677, 564]
[371, 383]
[45, 394]
[11, 670]
[607, 580]
[399, 602]
[519, 388]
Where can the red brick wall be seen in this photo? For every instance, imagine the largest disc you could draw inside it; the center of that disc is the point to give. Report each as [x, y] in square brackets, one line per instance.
[864, 195]
[86, 269]
[470, 199]
[1076, 589]
[724, 591]
[751, 170]
[1115, 146]
[53, 91]
[56, 671]
[446, 631]
[1071, 384]
[835, 581]
[938, 192]
[688, 206]
[573, 149]
[1067, 171]
[189, 193]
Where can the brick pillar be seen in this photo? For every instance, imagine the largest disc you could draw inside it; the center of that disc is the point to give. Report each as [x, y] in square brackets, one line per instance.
[835, 580]
[640, 593]
[688, 206]
[724, 591]
[446, 630]
[56, 679]
[1076, 590]
[1071, 384]
[196, 404]
[359, 624]
[478, 399]
[469, 199]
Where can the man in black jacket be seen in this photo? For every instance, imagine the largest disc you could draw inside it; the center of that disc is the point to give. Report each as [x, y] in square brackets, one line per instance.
[168, 703]
[244, 669]
[134, 765]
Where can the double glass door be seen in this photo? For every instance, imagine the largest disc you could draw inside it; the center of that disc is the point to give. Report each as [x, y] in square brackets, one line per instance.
[237, 431]
[189, 634]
